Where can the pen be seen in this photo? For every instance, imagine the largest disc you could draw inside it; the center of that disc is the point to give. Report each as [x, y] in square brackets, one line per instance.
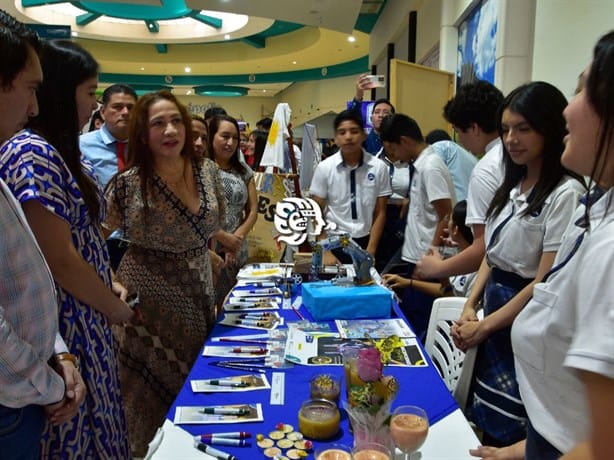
[298, 313]
[250, 322]
[227, 383]
[225, 410]
[261, 284]
[238, 367]
[245, 306]
[262, 315]
[252, 350]
[263, 300]
[229, 435]
[229, 339]
[213, 451]
[212, 440]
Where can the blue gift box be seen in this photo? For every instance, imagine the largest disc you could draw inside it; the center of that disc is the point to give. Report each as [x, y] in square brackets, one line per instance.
[326, 301]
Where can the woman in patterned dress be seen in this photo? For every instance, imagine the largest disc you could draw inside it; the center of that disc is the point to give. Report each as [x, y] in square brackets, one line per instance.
[64, 207]
[168, 203]
[241, 198]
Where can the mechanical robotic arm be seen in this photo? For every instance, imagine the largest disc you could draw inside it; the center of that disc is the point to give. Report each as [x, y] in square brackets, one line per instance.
[361, 259]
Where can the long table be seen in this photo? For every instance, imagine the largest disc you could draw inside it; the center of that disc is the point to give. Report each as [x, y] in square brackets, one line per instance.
[450, 435]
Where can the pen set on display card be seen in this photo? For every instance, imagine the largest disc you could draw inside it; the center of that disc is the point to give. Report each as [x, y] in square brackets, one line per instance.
[245, 382]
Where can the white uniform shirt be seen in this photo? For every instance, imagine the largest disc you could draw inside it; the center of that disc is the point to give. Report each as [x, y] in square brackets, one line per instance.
[399, 179]
[520, 244]
[486, 178]
[568, 324]
[431, 182]
[331, 181]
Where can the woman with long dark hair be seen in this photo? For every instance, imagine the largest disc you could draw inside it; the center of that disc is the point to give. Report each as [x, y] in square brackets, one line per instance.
[524, 229]
[64, 207]
[241, 198]
[168, 202]
[564, 338]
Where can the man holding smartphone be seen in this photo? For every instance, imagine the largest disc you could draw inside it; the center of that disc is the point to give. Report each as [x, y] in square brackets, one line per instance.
[381, 109]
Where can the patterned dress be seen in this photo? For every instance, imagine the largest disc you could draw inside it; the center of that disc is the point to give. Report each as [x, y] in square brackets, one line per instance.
[235, 190]
[168, 264]
[34, 170]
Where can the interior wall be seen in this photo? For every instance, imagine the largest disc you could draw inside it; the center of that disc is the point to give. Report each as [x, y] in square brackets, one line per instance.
[250, 109]
[312, 99]
[565, 33]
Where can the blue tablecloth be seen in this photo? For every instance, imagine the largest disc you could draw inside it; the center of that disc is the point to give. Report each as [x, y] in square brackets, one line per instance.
[421, 386]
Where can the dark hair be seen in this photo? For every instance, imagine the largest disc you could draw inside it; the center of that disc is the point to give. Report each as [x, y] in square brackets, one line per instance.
[459, 214]
[214, 126]
[213, 112]
[138, 137]
[397, 125]
[265, 123]
[383, 100]
[475, 102]
[16, 40]
[437, 135]
[260, 138]
[95, 117]
[600, 94]
[541, 105]
[117, 88]
[348, 115]
[65, 66]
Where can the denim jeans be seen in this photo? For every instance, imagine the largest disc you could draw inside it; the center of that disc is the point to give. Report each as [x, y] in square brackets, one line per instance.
[20, 432]
[538, 448]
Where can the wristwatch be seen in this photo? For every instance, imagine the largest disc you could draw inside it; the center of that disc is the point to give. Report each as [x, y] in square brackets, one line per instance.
[68, 357]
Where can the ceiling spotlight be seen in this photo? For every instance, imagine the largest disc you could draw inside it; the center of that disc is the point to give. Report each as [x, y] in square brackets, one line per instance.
[227, 37]
[188, 92]
[351, 39]
[293, 62]
[142, 68]
[188, 70]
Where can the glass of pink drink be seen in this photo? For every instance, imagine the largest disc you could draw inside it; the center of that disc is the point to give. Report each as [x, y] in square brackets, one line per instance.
[333, 452]
[371, 451]
[409, 426]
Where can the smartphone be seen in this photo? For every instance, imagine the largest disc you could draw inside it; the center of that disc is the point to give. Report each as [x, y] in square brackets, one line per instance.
[377, 81]
[133, 300]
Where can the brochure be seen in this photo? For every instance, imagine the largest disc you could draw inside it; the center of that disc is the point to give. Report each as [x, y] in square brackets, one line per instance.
[325, 349]
[373, 328]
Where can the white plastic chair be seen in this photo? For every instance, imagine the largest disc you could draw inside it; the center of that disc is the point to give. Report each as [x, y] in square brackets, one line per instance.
[454, 366]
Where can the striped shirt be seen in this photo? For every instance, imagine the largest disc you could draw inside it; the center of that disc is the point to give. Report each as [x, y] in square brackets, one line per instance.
[28, 314]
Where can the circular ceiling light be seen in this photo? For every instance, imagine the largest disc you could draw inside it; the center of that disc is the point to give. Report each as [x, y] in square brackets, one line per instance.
[220, 90]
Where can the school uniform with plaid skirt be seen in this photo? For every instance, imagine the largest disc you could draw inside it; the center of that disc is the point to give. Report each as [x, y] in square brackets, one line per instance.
[516, 243]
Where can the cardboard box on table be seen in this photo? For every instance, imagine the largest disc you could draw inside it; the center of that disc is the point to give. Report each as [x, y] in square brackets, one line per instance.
[326, 301]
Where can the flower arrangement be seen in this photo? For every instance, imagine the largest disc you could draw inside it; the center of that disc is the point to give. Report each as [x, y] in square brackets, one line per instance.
[370, 393]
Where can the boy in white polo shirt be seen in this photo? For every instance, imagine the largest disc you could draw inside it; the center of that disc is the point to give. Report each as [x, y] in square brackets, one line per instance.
[431, 198]
[352, 188]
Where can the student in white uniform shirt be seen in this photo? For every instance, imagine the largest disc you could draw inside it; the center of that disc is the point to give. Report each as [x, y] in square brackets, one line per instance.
[459, 285]
[352, 188]
[526, 220]
[389, 249]
[563, 340]
[431, 197]
[473, 114]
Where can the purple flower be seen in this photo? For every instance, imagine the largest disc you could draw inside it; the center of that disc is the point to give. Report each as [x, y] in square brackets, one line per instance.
[369, 365]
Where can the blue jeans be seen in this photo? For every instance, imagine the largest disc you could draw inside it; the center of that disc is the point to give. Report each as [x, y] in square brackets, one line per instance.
[20, 432]
[538, 448]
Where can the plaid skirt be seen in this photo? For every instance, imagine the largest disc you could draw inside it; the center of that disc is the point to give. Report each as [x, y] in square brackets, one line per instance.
[496, 406]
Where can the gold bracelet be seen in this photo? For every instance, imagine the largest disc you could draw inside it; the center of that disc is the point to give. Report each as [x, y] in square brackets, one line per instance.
[67, 357]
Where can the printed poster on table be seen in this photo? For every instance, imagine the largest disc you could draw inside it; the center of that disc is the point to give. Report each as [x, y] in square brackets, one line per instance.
[325, 349]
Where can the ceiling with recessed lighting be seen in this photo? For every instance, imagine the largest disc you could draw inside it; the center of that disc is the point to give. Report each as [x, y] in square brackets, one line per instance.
[255, 46]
